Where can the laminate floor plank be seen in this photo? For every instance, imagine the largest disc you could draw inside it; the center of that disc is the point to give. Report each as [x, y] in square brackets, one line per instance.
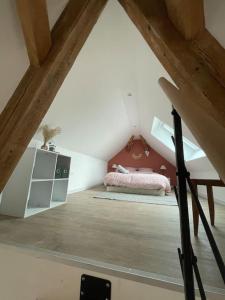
[134, 235]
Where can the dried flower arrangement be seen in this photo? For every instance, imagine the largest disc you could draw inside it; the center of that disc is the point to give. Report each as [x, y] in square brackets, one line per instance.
[48, 134]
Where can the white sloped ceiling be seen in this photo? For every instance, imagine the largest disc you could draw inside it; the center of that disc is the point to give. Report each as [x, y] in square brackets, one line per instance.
[111, 91]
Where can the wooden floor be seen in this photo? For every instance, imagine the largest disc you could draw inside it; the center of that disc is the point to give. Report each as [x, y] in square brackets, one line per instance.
[135, 235]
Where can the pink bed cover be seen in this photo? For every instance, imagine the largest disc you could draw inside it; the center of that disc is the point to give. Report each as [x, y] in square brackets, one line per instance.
[141, 181]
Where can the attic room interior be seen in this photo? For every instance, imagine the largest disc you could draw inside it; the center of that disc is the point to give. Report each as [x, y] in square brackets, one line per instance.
[112, 149]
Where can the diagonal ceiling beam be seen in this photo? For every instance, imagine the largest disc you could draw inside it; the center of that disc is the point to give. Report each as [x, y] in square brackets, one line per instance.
[189, 63]
[211, 53]
[176, 54]
[35, 24]
[187, 16]
[209, 133]
[36, 91]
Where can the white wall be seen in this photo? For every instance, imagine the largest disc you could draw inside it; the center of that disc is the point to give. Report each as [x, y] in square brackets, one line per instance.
[24, 277]
[46, 280]
[13, 54]
[214, 17]
[28, 276]
[86, 171]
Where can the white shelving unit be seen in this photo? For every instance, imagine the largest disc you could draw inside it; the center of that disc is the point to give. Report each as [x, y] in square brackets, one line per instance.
[39, 182]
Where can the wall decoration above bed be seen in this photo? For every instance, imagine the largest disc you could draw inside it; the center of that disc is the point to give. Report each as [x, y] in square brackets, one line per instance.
[137, 156]
[145, 145]
[130, 143]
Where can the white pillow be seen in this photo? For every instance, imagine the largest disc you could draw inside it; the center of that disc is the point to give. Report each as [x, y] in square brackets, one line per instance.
[131, 169]
[146, 170]
[121, 169]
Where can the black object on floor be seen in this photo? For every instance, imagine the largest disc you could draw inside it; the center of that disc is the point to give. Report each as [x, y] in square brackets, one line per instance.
[94, 288]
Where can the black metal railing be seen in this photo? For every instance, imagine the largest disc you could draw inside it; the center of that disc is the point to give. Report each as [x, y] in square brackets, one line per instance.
[188, 260]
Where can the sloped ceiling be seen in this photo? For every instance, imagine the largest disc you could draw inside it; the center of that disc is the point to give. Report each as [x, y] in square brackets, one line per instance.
[111, 91]
[214, 19]
[93, 107]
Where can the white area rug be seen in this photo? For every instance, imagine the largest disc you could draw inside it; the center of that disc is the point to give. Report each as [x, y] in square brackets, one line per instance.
[158, 200]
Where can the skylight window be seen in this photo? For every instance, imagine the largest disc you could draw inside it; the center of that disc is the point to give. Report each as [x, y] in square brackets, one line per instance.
[163, 133]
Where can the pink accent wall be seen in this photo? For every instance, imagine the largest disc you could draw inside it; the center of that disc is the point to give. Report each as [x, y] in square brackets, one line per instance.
[154, 161]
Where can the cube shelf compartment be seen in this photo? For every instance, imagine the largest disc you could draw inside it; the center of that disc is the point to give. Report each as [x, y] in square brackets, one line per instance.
[60, 190]
[40, 194]
[44, 167]
[33, 186]
[62, 167]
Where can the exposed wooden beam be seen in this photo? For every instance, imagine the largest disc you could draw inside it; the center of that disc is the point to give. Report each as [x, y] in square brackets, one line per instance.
[187, 65]
[176, 54]
[208, 132]
[187, 16]
[211, 53]
[35, 93]
[35, 24]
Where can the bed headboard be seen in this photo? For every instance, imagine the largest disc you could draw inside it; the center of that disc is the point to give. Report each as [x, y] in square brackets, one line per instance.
[136, 158]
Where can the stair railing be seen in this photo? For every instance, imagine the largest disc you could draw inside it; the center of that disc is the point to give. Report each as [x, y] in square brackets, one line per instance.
[188, 260]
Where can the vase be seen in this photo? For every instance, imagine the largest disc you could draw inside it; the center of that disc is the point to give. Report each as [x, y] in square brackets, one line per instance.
[44, 146]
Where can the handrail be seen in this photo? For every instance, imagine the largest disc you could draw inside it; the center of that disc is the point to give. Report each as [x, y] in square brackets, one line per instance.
[187, 258]
[194, 263]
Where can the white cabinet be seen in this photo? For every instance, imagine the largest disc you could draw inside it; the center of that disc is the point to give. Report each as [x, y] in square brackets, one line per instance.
[39, 182]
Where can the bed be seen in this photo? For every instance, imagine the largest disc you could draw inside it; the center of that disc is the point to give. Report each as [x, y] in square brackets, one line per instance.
[141, 182]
